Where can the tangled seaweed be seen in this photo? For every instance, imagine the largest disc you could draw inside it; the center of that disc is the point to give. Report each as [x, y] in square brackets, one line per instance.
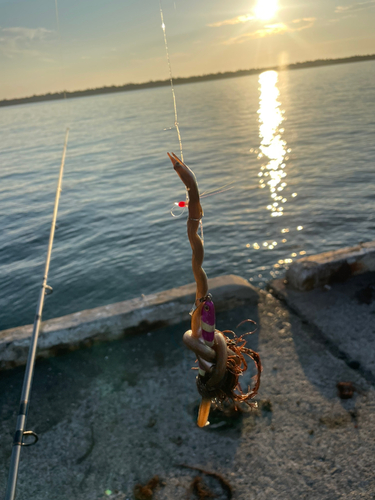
[229, 388]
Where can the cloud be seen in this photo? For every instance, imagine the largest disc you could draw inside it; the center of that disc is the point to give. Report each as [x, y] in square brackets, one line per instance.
[302, 24]
[355, 6]
[269, 29]
[27, 33]
[21, 41]
[274, 29]
[235, 20]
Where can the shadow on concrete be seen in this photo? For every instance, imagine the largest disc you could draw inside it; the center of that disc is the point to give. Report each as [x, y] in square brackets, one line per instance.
[115, 413]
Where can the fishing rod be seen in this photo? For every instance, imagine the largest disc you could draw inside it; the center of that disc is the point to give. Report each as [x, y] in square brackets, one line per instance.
[18, 440]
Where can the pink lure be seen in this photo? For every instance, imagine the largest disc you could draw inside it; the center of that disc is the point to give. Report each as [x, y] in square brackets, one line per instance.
[208, 322]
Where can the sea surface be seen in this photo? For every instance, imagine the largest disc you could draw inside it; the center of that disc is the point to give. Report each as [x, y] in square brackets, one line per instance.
[296, 148]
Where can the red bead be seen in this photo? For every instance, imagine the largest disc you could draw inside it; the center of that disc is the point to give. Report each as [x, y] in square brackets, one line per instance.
[181, 204]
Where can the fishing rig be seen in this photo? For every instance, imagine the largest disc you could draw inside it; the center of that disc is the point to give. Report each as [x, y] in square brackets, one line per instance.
[221, 359]
[21, 432]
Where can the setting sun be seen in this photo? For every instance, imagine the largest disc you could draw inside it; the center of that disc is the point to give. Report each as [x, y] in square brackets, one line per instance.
[265, 9]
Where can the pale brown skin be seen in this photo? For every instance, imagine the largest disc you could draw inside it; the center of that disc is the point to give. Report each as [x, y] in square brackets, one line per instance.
[218, 353]
[227, 354]
[195, 216]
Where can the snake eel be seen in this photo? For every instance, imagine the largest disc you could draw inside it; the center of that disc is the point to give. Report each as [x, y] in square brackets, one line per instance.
[221, 358]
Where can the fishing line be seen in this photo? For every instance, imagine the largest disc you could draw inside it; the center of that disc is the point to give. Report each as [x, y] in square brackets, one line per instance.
[175, 109]
[216, 191]
[184, 204]
[171, 80]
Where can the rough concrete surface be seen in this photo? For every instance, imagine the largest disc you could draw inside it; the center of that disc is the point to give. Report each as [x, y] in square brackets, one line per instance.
[116, 320]
[117, 413]
[344, 314]
[328, 267]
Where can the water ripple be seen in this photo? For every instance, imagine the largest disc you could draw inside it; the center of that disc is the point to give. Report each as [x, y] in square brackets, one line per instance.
[116, 239]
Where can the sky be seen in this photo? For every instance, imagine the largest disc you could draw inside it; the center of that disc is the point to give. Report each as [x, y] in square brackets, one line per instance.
[94, 43]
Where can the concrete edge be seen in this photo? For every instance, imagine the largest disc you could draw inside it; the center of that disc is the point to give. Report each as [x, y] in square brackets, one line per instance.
[117, 320]
[328, 267]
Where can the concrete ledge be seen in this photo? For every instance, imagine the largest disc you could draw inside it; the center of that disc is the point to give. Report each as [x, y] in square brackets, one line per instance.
[329, 267]
[116, 320]
[343, 317]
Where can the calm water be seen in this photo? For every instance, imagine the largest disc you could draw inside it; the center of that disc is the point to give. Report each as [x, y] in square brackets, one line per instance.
[298, 147]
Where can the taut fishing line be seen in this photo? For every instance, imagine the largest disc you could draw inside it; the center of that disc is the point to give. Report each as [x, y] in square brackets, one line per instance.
[171, 80]
[175, 106]
[182, 204]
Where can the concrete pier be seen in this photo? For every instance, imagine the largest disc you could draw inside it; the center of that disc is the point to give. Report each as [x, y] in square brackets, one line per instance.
[117, 413]
[114, 321]
[330, 267]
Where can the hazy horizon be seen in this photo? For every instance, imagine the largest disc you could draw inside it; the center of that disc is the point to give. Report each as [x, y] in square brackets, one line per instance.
[118, 43]
[192, 77]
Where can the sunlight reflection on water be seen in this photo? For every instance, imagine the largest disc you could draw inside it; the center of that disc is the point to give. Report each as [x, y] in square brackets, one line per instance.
[273, 155]
[272, 145]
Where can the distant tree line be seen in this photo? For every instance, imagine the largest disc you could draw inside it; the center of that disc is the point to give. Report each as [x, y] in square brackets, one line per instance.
[180, 81]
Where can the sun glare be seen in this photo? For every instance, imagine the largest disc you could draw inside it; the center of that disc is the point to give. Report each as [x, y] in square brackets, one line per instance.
[265, 9]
